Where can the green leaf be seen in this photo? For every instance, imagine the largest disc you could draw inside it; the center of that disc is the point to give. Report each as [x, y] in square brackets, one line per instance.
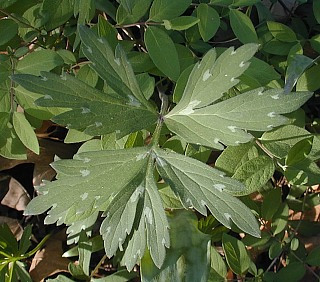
[316, 10]
[242, 27]
[67, 56]
[280, 219]
[313, 257]
[281, 32]
[218, 264]
[236, 254]
[75, 136]
[309, 80]
[299, 151]
[84, 9]
[275, 250]
[35, 62]
[113, 68]
[162, 52]
[255, 173]
[93, 111]
[235, 156]
[4, 71]
[57, 12]
[188, 256]
[139, 9]
[25, 242]
[298, 64]
[167, 9]
[25, 132]
[199, 186]
[293, 272]
[6, 3]
[180, 23]
[209, 21]
[87, 75]
[8, 242]
[271, 203]
[8, 30]
[197, 122]
[106, 29]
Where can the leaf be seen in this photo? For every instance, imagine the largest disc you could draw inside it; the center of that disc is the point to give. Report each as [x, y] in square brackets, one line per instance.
[188, 256]
[299, 151]
[218, 264]
[281, 32]
[137, 11]
[162, 52]
[298, 64]
[236, 254]
[270, 204]
[255, 173]
[113, 68]
[200, 186]
[293, 272]
[106, 29]
[316, 10]
[209, 21]
[4, 71]
[275, 249]
[223, 122]
[93, 112]
[313, 257]
[87, 75]
[180, 23]
[35, 62]
[84, 9]
[280, 219]
[309, 80]
[8, 30]
[25, 132]
[167, 9]
[242, 27]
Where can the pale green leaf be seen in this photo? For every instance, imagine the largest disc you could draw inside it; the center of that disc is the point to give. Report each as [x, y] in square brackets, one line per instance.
[167, 9]
[236, 254]
[242, 27]
[67, 56]
[25, 132]
[201, 187]
[112, 67]
[180, 23]
[162, 51]
[87, 75]
[75, 136]
[35, 62]
[224, 122]
[93, 111]
[209, 21]
[309, 80]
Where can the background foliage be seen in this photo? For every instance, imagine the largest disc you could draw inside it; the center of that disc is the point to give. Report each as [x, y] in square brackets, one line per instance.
[137, 101]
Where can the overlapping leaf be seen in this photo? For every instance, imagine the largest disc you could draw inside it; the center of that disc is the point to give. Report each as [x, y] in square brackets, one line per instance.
[226, 122]
[93, 111]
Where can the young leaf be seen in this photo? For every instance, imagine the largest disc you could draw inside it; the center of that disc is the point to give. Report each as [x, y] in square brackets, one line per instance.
[209, 21]
[25, 132]
[93, 111]
[242, 27]
[180, 23]
[162, 51]
[202, 187]
[167, 9]
[281, 32]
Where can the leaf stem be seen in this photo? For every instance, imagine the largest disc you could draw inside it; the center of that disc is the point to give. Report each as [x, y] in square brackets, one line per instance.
[164, 108]
[97, 266]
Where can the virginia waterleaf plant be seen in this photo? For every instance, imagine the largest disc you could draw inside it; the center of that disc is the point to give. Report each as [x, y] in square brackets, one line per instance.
[122, 184]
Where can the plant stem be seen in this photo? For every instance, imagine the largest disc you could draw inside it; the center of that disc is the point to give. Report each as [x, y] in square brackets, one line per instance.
[12, 86]
[93, 272]
[138, 23]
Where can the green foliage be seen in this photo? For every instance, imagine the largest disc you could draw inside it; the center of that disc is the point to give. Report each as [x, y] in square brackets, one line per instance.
[179, 131]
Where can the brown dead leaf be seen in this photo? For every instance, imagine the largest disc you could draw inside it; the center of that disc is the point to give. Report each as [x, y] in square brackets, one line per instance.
[49, 261]
[12, 193]
[14, 226]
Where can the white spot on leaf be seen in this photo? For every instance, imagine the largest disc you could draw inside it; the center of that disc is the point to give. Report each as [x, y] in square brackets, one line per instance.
[270, 126]
[54, 205]
[216, 140]
[117, 61]
[85, 110]
[203, 203]
[163, 241]
[206, 75]
[133, 101]
[83, 227]
[86, 160]
[84, 196]
[100, 40]
[108, 230]
[44, 78]
[275, 97]
[48, 97]
[98, 123]
[189, 201]
[260, 93]
[237, 142]
[219, 186]
[148, 215]
[227, 216]
[84, 172]
[242, 64]
[233, 52]
[97, 197]
[63, 77]
[120, 244]
[189, 109]
[141, 156]
[136, 194]
[232, 128]
[232, 79]
[89, 50]
[271, 114]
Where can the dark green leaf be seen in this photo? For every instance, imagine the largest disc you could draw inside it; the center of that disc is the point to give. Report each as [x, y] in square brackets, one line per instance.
[271, 203]
[275, 250]
[293, 272]
[280, 219]
[167, 9]
[8, 29]
[314, 257]
[138, 10]
[162, 52]
[209, 21]
[242, 27]
[236, 254]
[316, 10]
